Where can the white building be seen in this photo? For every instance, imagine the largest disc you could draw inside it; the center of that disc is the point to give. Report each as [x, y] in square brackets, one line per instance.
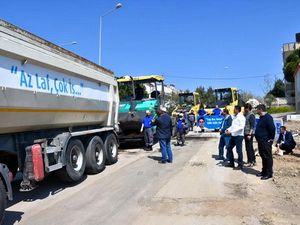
[287, 49]
[297, 89]
[168, 89]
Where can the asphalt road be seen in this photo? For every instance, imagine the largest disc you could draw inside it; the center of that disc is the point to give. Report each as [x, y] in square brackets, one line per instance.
[195, 189]
[114, 196]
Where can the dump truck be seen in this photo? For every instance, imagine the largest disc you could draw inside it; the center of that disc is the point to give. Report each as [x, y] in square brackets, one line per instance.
[134, 103]
[58, 112]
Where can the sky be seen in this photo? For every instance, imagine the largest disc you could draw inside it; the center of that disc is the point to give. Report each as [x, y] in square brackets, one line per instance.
[217, 43]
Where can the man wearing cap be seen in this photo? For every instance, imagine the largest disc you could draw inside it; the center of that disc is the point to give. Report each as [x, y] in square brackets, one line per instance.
[164, 132]
[180, 129]
[148, 133]
[264, 134]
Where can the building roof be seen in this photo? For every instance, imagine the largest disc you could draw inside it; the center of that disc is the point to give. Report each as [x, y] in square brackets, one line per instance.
[141, 79]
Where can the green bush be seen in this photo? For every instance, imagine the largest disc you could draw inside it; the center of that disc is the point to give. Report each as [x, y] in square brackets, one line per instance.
[291, 65]
[281, 109]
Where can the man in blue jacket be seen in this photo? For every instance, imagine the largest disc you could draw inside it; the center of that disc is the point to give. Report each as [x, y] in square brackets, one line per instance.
[180, 129]
[224, 138]
[285, 141]
[201, 111]
[164, 132]
[147, 128]
[216, 111]
[264, 134]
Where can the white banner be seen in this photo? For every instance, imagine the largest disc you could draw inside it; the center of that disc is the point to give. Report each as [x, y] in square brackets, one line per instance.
[35, 78]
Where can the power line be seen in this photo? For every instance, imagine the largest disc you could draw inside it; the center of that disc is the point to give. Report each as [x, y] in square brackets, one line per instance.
[213, 77]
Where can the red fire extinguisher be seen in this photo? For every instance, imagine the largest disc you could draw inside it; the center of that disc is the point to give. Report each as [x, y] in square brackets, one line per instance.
[38, 163]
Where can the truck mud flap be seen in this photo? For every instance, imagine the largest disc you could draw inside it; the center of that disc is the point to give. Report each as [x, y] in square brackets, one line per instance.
[28, 183]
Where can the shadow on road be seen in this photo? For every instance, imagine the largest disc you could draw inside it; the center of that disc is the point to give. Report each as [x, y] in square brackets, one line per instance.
[131, 145]
[11, 217]
[215, 156]
[50, 186]
[249, 170]
[156, 158]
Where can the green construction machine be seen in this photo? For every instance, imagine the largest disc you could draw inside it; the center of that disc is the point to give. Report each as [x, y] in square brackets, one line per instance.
[137, 94]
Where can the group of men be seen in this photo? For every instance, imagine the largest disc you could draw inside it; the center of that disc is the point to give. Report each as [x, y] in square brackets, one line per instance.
[234, 130]
[240, 127]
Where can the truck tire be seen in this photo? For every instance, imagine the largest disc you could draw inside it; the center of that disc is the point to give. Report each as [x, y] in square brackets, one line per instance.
[75, 162]
[95, 156]
[111, 148]
[3, 200]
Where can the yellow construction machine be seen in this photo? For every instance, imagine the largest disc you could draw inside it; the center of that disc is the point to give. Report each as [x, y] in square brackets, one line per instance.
[225, 98]
[186, 103]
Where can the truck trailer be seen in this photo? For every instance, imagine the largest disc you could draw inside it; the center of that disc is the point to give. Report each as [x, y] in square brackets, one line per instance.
[58, 112]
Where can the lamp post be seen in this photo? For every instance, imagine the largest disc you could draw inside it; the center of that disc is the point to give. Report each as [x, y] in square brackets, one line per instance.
[119, 5]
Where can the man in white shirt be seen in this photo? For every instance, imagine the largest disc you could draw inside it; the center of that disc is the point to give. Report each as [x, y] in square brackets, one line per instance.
[237, 136]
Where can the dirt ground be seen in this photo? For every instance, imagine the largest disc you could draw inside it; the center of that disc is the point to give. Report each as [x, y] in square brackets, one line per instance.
[287, 174]
[293, 125]
[287, 177]
[207, 193]
[287, 168]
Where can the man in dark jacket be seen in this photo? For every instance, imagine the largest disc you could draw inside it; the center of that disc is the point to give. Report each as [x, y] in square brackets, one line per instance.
[164, 132]
[224, 138]
[285, 141]
[249, 133]
[264, 134]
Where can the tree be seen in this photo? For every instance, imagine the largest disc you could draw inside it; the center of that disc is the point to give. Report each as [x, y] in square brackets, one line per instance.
[291, 64]
[207, 97]
[278, 89]
[125, 90]
[267, 85]
[269, 99]
[201, 91]
[210, 98]
[246, 95]
[171, 101]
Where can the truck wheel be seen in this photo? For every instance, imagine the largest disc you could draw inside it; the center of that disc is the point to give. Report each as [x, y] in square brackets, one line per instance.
[95, 155]
[111, 147]
[3, 200]
[75, 162]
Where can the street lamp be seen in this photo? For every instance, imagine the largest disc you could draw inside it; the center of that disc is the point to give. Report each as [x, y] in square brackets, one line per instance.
[119, 5]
